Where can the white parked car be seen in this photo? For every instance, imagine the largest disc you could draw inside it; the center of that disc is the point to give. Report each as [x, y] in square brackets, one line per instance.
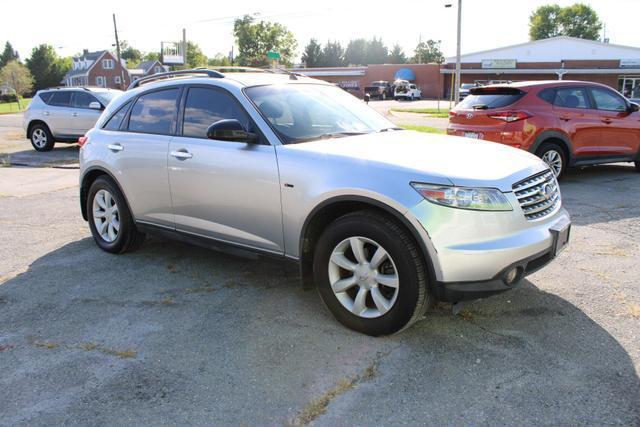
[406, 90]
[64, 114]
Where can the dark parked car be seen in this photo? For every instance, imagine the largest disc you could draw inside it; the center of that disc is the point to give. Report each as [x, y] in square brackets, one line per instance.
[380, 89]
[566, 123]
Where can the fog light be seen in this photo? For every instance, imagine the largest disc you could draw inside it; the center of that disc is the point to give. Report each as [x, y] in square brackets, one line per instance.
[511, 276]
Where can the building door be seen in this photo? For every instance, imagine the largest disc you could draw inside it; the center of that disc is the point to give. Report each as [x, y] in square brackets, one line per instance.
[629, 86]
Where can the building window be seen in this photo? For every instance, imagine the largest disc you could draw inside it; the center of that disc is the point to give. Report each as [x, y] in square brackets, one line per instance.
[108, 64]
[117, 80]
[100, 81]
[158, 70]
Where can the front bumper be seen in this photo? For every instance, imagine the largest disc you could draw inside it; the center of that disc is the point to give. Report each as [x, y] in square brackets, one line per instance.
[474, 250]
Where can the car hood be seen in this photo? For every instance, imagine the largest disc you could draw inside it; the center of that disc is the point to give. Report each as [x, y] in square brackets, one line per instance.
[433, 158]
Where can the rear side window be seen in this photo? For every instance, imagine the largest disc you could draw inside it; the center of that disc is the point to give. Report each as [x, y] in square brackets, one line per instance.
[116, 120]
[571, 97]
[547, 95]
[490, 97]
[154, 112]
[46, 96]
[608, 100]
[204, 107]
[60, 99]
[82, 100]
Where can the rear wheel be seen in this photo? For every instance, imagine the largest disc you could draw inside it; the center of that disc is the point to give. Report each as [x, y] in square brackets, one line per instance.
[553, 155]
[41, 138]
[110, 221]
[638, 166]
[370, 274]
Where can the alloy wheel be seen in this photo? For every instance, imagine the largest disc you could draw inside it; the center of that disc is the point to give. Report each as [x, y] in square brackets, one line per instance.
[106, 216]
[363, 277]
[554, 160]
[39, 138]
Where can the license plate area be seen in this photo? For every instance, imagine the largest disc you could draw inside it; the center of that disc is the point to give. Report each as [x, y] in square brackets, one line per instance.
[561, 233]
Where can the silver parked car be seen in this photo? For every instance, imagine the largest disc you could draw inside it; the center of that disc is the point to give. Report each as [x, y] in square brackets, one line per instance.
[382, 220]
[64, 114]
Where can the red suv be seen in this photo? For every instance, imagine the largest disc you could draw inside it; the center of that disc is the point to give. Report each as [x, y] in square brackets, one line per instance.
[566, 123]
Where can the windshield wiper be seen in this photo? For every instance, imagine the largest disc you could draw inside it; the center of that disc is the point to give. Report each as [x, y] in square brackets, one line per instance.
[388, 129]
[330, 135]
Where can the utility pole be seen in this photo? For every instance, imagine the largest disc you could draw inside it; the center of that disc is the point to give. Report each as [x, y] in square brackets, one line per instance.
[115, 29]
[457, 87]
[184, 46]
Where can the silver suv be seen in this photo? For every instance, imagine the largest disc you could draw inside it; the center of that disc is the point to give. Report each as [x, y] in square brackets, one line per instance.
[382, 220]
[64, 114]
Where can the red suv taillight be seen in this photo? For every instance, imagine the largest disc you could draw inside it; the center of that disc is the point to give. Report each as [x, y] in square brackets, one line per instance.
[510, 116]
[452, 113]
[82, 140]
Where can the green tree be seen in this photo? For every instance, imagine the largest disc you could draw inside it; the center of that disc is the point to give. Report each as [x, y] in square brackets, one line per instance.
[219, 60]
[151, 56]
[195, 57]
[312, 55]
[376, 52]
[578, 20]
[255, 39]
[428, 52]
[130, 54]
[8, 55]
[18, 78]
[397, 56]
[46, 67]
[332, 55]
[356, 52]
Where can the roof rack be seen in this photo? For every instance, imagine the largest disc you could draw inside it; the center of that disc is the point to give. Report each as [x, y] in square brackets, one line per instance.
[234, 69]
[160, 76]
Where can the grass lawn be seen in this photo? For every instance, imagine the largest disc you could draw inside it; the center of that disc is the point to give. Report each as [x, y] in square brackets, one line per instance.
[433, 112]
[12, 107]
[427, 129]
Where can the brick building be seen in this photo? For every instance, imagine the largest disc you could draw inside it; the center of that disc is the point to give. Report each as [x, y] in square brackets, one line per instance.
[548, 59]
[147, 68]
[100, 69]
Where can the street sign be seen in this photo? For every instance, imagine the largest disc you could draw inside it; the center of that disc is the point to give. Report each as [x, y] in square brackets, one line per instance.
[273, 55]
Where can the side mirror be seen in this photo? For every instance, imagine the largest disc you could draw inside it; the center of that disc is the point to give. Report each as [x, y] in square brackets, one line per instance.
[231, 130]
[95, 105]
[633, 107]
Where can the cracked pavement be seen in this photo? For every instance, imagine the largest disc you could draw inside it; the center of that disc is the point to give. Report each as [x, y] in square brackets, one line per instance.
[176, 334]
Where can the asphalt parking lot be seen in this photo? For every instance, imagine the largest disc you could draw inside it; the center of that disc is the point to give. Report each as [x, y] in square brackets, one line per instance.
[175, 334]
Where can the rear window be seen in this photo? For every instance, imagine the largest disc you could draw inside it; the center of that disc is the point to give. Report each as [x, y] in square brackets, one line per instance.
[45, 96]
[154, 112]
[60, 99]
[485, 98]
[116, 120]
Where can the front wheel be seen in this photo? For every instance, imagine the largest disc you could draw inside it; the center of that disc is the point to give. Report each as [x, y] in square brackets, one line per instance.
[370, 274]
[553, 155]
[110, 221]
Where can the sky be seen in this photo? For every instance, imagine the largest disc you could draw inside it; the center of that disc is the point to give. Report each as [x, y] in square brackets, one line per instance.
[71, 25]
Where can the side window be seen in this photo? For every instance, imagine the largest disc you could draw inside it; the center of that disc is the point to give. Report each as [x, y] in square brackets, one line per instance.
[154, 112]
[46, 97]
[547, 95]
[60, 99]
[116, 120]
[608, 100]
[571, 97]
[204, 107]
[82, 100]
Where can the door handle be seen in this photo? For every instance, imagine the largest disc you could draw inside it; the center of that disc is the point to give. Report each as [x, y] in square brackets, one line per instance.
[115, 147]
[74, 114]
[181, 154]
[46, 113]
[565, 118]
[606, 120]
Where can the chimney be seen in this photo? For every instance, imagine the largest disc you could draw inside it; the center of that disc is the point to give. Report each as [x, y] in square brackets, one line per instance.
[85, 52]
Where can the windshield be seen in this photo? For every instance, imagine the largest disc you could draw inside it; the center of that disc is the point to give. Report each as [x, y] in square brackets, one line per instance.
[467, 86]
[306, 112]
[107, 96]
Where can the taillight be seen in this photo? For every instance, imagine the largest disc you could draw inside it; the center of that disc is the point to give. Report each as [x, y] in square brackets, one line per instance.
[510, 116]
[83, 140]
[452, 113]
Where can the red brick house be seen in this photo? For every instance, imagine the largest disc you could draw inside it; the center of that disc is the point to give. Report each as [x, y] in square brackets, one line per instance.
[100, 69]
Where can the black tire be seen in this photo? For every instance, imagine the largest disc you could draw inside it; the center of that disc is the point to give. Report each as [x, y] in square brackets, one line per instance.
[412, 297]
[41, 137]
[548, 147]
[638, 166]
[128, 237]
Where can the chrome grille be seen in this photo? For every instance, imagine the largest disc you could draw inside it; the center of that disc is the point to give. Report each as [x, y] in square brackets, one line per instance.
[538, 195]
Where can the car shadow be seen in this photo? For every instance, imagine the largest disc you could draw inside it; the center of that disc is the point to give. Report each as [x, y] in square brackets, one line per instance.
[177, 334]
[63, 155]
[602, 193]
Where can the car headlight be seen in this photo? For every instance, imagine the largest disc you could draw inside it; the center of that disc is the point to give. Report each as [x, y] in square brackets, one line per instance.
[482, 199]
